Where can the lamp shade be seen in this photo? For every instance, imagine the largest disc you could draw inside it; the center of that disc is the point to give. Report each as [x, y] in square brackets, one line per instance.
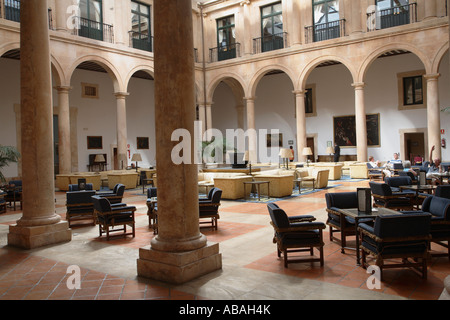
[99, 158]
[285, 153]
[307, 152]
[136, 157]
[330, 150]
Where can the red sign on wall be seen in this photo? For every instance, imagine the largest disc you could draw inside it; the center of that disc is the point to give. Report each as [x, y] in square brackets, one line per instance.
[442, 131]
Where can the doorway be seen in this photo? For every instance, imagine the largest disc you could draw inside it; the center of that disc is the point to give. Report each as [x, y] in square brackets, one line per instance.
[415, 146]
[310, 144]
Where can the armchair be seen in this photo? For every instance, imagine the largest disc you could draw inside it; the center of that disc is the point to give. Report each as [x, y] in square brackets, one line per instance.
[145, 180]
[74, 187]
[442, 191]
[292, 236]
[346, 225]
[397, 181]
[210, 209]
[14, 193]
[2, 202]
[439, 208]
[114, 196]
[384, 197]
[152, 209]
[397, 236]
[79, 206]
[108, 217]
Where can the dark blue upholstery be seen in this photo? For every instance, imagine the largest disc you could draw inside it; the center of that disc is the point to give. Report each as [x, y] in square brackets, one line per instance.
[396, 182]
[398, 236]
[210, 207]
[74, 187]
[14, 192]
[297, 236]
[384, 197]
[298, 218]
[79, 206]
[114, 196]
[442, 191]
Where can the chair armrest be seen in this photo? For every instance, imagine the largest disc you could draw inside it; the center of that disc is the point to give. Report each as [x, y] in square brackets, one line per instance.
[305, 226]
[302, 218]
[208, 204]
[123, 209]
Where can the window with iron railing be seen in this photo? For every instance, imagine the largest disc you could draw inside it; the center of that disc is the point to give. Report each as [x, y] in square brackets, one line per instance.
[227, 48]
[140, 34]
[11, 10]
[225, 52]
[391, 13]
[272, 35]
[327, 24]
[90, 22]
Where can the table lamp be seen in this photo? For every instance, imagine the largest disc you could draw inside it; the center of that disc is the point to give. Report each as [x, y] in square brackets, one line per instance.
[307, 152]
[136, 157]
[250, 157]
[285, 154]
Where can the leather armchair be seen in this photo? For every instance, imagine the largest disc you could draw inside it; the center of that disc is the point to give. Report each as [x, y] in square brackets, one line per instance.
[291, 236]
[152, 209]
[210, 208]
[79, 206]
[397, 236]
[74, 187]
[108, 217]
[344, 225]
[442, 191]
[439, 208]
[14, 193]
[114, 196]
[384, 197]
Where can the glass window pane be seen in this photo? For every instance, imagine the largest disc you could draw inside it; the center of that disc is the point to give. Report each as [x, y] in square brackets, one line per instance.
[319, 14]
[144, 10]
[267, 27]
[333, 11]
[277, 7]
[134, 6]
[266, 11]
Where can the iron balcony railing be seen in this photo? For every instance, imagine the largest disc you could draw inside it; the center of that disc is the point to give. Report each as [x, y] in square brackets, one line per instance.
[270, 42]
[225, 52]
[93, 29]
[392, 17]
[325, 31]
[142, 41]
[11, 10]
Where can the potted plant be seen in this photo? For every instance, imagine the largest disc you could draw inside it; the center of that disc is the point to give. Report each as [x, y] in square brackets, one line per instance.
[8, 154]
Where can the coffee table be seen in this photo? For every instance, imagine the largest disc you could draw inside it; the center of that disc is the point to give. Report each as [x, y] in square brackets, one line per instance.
[258, 184]
[299, 181]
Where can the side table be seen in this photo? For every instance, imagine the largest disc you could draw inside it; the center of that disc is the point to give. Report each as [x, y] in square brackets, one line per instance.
[258, 185]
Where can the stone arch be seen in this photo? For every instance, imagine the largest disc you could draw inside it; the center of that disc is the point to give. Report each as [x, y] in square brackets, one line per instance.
[438, 58]
[365, 65]
[251, 91]
[301, 83]
[118, 84]
[232, 80]
[142, 68]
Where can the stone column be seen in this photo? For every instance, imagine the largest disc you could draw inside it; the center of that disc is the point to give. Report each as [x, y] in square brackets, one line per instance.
[301, 123]
[433, 114]
[65, 152]
[247, 41]
[39, 224]
[361, 122]
[202, 117]
[209, 119]
[62, 12]
[121, 127]
[355, 14]
[251, 130]
[179, 252]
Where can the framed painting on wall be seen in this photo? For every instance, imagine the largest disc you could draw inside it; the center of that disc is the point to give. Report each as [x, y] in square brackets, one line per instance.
[95, 142]
[344, 128]
[142, 143]
[274, 140]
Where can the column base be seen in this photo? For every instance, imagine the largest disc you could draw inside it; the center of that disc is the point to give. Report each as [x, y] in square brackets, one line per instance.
[178, 267]
[30, 237]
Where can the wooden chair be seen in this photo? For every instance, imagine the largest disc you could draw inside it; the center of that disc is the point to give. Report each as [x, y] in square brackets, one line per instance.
[145, 180]
[209, 209]
[384, 197]
[292, 236]
[14, 193]
[399, 236]
[108, 217]
[79, 206]
[114, 196]
[152, 209]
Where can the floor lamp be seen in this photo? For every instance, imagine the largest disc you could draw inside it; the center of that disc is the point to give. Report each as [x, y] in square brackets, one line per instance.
[285, 154]
[136, 157]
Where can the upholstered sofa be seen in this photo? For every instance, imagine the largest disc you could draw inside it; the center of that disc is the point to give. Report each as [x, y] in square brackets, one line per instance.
[63, 181]
[335, 169]
[320, 177]
[280, 182]
[129, 178]
[359, 170]
[231, 184]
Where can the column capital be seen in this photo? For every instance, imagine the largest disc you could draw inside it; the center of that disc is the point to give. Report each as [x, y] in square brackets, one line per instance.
[299, 92]
[358, 85]
[121, 95]
[431, 76]
[249, 98]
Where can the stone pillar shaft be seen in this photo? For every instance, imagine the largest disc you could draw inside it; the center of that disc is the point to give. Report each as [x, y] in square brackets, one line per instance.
[433, 114]
[251, 130]
[361, 122]
[179, 252]
[121, 129]
[39, 225]
[301, 124]
[64, 148]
